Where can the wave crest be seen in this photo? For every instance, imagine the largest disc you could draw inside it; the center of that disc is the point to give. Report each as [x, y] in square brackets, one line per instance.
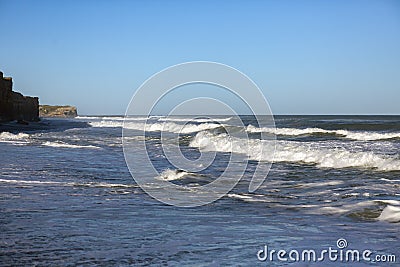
[6, 136]
[65, 145]
[361, 136]
[291, 151]
[172, 175]
[390, 214]
[200, 120]
[159, 126]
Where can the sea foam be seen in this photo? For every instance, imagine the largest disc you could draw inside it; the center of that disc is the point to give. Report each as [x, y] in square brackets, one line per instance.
[112, 118]
[106, 124]
[158, 126]
[291, 151]
[171, 175]
[390, 214]
[65, 145]
[200, 120]
[361, 136]
[6, 136]
[168, 124]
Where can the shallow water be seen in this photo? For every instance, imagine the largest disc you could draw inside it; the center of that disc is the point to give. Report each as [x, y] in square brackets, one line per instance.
[67, 197]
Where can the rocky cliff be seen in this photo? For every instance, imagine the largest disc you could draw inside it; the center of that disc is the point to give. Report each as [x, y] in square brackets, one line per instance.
[15, 106]
[57, 111]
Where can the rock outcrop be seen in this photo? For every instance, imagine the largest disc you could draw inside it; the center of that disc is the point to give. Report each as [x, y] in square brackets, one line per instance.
[15, 106]
[57, 111]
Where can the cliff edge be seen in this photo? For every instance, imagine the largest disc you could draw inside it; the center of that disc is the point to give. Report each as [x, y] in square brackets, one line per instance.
[57, 111]
[15, 106]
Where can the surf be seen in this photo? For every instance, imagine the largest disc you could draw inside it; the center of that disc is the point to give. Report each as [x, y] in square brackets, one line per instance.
[294, 152]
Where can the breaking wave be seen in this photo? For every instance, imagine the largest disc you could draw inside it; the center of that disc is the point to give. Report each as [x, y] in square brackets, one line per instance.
[172, 175]
[291, 151]
[105, 124]
[86, 118]
[200, 120]
[112, 118]
[368, 136]
[196, 125]
[390, 214]
[178, 128]
[361, 136]
[362, 209]
[158, 127]
[6, 136]
[65, 145]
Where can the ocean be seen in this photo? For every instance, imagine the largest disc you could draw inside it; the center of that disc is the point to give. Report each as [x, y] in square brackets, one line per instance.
[67, 197]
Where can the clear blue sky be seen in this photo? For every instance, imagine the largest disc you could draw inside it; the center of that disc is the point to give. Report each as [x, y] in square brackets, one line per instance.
[309, 57]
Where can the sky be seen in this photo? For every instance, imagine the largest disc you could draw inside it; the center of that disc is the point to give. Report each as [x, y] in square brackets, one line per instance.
[307, 57]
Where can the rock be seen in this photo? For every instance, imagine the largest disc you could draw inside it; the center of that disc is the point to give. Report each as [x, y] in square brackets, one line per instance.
[57, 111]
[22, 122]
[15, 106]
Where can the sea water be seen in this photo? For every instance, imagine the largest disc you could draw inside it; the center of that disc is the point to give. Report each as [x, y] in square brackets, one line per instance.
[67, 197]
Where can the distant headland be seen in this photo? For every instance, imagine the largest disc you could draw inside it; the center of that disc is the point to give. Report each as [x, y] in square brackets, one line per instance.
[57, 111]
[16, 107]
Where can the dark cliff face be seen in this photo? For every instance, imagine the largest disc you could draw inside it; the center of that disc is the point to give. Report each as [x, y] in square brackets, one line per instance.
[15, 106]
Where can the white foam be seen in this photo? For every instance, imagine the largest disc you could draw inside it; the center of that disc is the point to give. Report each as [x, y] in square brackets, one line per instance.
[27, 182]
[239, 196]
[342, 209]
[179, 128]
[389, 180]
[328, 210]
[368, 136]
[158, 126]
[361, 136]
[106, 124]
[171, 175]
[6, 136]
[167, 124]
[390, 214]
[291, 151]
[117, 118]
[200, 120]
[86, 118]
[322, 184]
[125, 118]
[287, 131]
[112, 118]
[65, 145]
